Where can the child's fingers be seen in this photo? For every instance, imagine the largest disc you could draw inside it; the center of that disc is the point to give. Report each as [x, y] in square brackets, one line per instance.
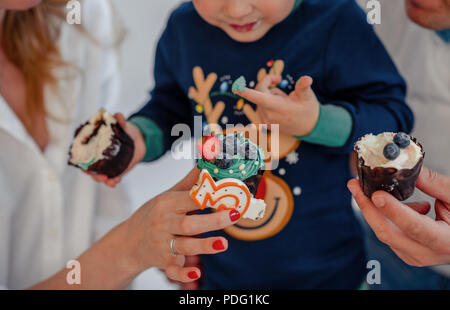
[278, 92]
[270, 80]
[262, 114]
[120, 119]
[117, 180]
[303, 84]
[270, 117]
[182, 274]
[266, 100]
[111, 183]
[99, 177]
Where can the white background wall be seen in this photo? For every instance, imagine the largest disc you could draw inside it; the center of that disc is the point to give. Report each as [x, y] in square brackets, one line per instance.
[145, 20]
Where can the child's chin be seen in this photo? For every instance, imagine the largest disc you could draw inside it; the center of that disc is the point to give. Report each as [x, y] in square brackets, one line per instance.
[246, 37]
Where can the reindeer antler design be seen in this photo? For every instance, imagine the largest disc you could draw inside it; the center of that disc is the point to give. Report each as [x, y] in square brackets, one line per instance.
[200, 94]
[277, 69]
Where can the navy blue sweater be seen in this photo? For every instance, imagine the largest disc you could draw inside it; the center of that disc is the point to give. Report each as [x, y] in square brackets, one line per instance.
[329, 40]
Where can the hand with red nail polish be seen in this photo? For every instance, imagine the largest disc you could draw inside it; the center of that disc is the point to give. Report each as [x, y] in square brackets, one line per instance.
[166, 225]
[218, 245]
[234, 215]
[165, 233]
[193, 275]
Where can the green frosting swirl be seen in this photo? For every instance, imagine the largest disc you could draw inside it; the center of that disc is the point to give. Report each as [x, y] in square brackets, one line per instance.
[86, 165]
[240, 169]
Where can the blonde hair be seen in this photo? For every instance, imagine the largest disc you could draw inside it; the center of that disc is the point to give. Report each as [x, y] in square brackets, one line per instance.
[28, 41]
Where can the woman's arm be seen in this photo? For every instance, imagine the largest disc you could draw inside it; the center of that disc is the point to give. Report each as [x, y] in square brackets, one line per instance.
[143, 241]
[106, 265]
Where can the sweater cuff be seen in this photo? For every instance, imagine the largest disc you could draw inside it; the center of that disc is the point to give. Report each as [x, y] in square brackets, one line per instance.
[333, 127]
[152, 135]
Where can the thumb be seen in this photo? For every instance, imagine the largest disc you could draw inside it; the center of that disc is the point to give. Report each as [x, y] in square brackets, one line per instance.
[434, 184]
[303, 86]
[121, 120]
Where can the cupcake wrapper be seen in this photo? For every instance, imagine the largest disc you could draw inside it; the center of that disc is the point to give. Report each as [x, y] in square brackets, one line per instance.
[112, 165]
[253, 182]
[399, 183]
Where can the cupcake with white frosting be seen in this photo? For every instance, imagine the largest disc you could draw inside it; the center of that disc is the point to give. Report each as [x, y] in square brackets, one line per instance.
[101, 146]
[390, 162]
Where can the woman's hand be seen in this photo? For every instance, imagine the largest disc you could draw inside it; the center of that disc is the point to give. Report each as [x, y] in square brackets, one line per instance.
[139, 151]
[296, 114]
[143, 241]
[150, 230]
[413, 236]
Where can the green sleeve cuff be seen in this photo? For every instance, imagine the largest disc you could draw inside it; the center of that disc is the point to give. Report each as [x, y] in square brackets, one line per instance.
[333, 127]
[153, 137]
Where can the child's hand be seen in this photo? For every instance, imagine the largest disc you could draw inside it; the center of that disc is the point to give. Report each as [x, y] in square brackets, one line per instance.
[296, 113]
[139, 151]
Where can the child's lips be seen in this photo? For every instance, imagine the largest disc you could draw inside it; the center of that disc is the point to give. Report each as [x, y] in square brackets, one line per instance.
[244, 28]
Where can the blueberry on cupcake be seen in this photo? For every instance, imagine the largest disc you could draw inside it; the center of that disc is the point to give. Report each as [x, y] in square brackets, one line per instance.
[233, 156]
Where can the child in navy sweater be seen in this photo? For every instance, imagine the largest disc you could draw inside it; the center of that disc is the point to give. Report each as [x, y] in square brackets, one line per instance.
[349, 86]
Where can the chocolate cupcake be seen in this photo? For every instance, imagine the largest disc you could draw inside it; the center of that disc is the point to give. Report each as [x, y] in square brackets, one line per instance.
[390, 162]
[101, 146]
[234, 157]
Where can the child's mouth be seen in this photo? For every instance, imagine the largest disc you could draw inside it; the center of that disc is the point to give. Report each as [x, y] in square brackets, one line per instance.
[245, 28]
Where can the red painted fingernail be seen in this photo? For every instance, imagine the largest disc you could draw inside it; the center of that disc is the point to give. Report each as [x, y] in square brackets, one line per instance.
[234, 215]
[193, 275]
[218, 245]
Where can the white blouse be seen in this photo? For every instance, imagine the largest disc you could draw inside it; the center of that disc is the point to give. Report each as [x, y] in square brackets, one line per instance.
[49, 212]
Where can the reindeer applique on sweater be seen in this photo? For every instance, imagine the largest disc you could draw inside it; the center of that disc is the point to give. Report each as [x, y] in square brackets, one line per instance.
[273, 189]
